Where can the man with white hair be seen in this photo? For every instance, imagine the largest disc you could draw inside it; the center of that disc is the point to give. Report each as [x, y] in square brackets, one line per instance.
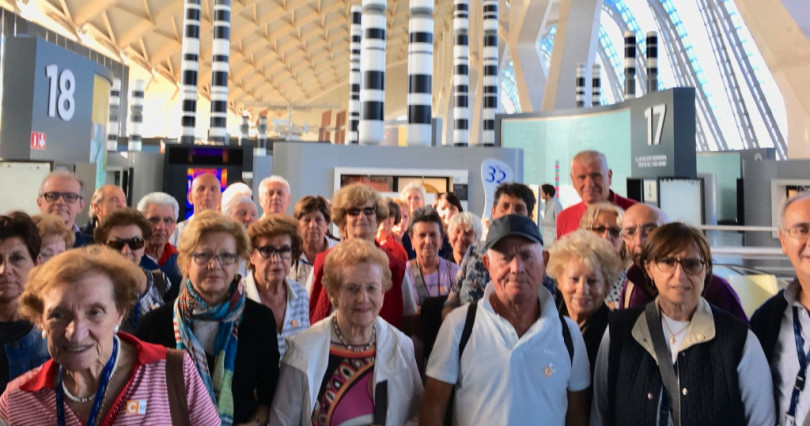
[106, 199]
[161, 210]
[274, 195]
[62, 193]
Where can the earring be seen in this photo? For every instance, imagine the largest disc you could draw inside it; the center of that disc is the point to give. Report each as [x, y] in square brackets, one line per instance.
[115, 329]
[44, 335]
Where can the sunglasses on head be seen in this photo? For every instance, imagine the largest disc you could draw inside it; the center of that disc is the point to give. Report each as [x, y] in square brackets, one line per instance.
[368, 211]
[134, 243]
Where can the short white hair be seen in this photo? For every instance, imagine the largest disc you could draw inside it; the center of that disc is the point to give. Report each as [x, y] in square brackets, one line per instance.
[159, 199]
[274, 178]
[403, 194]
[468, 220]
[797, 197]
[235, 201]
[62, 174]
[98, 196]
[237, 189]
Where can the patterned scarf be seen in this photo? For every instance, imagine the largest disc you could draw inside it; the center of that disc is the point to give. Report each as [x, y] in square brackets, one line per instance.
[189, 307]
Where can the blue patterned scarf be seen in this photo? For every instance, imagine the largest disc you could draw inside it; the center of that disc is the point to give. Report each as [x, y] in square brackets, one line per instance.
[189, 307]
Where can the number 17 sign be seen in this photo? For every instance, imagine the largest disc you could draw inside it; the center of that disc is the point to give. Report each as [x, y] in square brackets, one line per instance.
[493, 173]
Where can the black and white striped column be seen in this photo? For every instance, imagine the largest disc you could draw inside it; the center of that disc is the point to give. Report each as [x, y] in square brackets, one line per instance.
[244, 132]
[219, 71]
[461, 75]
[355, 32]
[261, 148]
[629, 65]
[136, 111]
[189, 69]
[372, 68]
[596, 85]
[652, 61]
[115, 106]
[490, 60]
[420, 73]
[580, 85]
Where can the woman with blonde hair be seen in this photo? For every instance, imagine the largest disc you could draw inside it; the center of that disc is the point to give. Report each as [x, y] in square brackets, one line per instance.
[231, 339]
[56, 237]
[605, 221]
[353, 365]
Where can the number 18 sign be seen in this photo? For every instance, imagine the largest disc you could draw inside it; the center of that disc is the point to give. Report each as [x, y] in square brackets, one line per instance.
[493, 173]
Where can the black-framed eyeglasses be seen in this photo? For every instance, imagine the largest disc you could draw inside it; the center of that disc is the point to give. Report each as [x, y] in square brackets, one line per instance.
[630, 232]
[224, 259]
[799, 231]
[690, 265]
[615, 231]
[268, 251]
[368, 211]
[134, 243]
[69, 197]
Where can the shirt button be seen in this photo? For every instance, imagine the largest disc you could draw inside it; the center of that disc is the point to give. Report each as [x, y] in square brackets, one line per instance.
[684, 391]
[650, 396]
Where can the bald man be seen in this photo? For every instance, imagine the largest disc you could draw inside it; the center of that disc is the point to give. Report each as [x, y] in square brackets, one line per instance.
[205, 194]
[106, 199]
[638, 222]
[591, 178]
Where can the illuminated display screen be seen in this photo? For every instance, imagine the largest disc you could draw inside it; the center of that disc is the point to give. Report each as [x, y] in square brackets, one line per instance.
[193, 172]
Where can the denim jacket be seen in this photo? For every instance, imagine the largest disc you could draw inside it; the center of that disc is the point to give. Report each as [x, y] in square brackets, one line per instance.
[27, 353]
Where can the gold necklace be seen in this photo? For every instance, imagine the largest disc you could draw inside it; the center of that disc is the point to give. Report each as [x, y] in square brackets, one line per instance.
[673, 334]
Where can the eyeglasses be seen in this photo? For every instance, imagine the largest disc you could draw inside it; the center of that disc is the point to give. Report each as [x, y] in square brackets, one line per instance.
[204, 258]
[691, 266]
[799, 231]
[69, 197]
[267, 252]
[368, 211]
[630, 232]
[134, 243]
[615, 231]
[156, 220]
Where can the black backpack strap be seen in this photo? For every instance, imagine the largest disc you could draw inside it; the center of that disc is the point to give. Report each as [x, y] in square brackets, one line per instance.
[160, 282]
[380, 403]
[569, 343]
[469, 321]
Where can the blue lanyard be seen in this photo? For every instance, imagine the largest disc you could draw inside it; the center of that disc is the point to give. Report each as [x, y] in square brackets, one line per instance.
[802, 376]
[100, 392]
[136, 312]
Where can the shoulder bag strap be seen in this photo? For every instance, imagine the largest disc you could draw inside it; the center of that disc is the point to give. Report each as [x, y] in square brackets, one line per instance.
[469, 321]
[664, 365]
[160, 283]
[380, 403]
[569, 342]
[176, 386]
[418, 282]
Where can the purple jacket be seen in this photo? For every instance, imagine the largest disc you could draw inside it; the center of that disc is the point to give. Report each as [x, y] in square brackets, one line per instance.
[719, 293]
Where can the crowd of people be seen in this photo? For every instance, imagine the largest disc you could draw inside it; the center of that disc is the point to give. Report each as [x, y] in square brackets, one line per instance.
[409, 313]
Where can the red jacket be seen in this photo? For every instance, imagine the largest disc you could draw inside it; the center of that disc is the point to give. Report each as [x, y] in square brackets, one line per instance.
[320, 307]
[568, 219]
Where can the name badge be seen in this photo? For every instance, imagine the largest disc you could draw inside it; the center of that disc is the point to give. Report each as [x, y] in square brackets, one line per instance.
[136, 406]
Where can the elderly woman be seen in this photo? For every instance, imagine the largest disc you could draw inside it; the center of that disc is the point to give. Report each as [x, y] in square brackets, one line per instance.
[463, 230]
[241, 209]
[126, 231]
[231, 339]
[385, 231]
[23, 348]
[400, 229]
[605, 221]
[584, 265]
[720, 375]
[429, 274]
[353, 365]
[79, 299]
[357, 209]
[276, 242]
[56, 237]
[314, 215]
[415, 196]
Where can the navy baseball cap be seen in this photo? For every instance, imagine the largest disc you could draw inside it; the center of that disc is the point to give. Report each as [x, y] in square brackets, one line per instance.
[512, 224]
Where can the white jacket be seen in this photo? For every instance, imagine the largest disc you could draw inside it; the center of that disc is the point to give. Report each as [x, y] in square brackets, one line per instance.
[305, 363]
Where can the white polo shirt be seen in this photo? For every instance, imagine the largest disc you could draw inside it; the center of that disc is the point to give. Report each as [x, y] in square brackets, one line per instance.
[506, 380]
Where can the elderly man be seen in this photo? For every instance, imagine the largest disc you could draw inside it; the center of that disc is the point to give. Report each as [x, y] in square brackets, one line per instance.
[638, 222]
[161, 210]
[205, 194]
[62, 193]
[780, 322]
[274, 195]
[591, 178]
[106, 199]
[512, 358]
[510, 198]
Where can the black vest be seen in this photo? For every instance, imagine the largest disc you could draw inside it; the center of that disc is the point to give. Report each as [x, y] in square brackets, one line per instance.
[708, 372]
[767, 322]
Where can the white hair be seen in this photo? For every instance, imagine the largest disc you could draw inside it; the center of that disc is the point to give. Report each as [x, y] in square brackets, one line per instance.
[234, 190]
[469, 221]
[62, 174]
[274, 178]
[801, 195]
[235, 201]
[158, 199]
[403, 194]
